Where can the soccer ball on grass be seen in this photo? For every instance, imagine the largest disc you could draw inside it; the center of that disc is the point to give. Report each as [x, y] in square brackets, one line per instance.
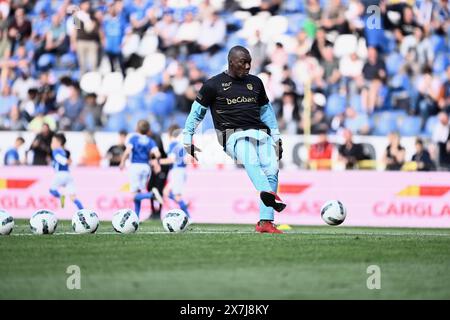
[43, 222]
[125, 221]
[85, 221]
[6, 223]
[175, 220]
[333, 212]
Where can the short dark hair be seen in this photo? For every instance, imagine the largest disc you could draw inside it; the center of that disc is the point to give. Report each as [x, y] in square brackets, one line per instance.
[419, 141]
[60, 137]
[237, 49]
[22, 140]
[174, 130]
[143, 126]
[123, 132]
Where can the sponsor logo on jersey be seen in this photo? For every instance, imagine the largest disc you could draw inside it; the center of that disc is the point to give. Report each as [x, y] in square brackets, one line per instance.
[241, 100]
[226, 85]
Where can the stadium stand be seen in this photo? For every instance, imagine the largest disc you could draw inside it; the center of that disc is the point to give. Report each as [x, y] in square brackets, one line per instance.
[147, 58]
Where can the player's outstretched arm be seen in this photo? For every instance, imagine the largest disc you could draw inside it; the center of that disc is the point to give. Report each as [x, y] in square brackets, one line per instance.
[194, 118]
[125, 156]
[269, 118]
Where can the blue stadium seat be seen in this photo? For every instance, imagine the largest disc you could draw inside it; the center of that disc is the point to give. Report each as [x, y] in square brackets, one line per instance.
[335, 105]
[356, 102]
[384, 122]
[409, 125]
[429, 125]
[393, 63]
[295, 23]
[293, 6]
[116, 122]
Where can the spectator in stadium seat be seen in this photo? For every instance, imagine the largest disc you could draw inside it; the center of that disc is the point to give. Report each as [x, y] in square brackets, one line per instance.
[441, 136]
[91, 115]
[55, 40]
[86, 39]
[20, 28]
[374, 72]
[7, 101]
[212, 34]
[15, 155]
[289, 113]
[115, 152]
[258, 48]
[91, 155]
[47, 94]
[41, 146]
[428, 86]
[422, 157]
[331, 72]
[5, 43]
[349, 152]
[313, 10]
[15, 121]
[357, 123]
[23, 84]
[70, 111]
[320, 153]
[444, 96]
[166, 29]
[188, 34]
[394, 156]
[114, 31]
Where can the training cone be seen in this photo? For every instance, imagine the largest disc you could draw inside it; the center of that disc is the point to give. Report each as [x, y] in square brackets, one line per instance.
[284, 227]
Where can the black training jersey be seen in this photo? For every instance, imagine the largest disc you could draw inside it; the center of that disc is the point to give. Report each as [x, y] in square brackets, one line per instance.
[234, 103]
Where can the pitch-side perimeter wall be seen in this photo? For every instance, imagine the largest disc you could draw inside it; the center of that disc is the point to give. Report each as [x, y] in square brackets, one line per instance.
[385, 199]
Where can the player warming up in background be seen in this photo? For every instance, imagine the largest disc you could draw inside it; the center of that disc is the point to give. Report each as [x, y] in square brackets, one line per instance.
[246, 127]
[177, 174]
[143, 151]
[61, 162]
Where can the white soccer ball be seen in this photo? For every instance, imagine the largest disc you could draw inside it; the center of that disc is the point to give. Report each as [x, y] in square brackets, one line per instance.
[175, 220]
[43, 222]
[333, 212]
[6, 223]
[85, 221]
[125, 221]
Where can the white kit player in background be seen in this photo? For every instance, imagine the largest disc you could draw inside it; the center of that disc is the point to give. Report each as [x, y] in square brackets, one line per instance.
[143, 151]
[176, 157]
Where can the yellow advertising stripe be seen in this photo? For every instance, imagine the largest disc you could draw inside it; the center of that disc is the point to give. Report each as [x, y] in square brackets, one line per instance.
[410, 191]
[2, 184]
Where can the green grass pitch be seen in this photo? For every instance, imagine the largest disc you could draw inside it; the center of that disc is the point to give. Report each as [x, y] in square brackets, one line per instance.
[226, 262]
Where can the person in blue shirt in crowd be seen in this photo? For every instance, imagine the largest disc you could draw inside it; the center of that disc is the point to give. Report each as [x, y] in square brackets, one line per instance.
[114, 30]
[176, 157]
[61, 161]
[143, 151]
[12, 156]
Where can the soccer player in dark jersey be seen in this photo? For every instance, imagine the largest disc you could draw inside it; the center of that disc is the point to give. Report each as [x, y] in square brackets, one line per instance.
[246, 126]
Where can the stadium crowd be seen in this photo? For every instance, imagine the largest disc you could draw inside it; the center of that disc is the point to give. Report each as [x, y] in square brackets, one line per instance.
[356, 67]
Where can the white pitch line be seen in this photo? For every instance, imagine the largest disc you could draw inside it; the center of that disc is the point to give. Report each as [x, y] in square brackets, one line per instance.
[218, 231]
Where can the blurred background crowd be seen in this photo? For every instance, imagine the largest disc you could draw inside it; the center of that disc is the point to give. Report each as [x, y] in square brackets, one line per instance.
[330, 67]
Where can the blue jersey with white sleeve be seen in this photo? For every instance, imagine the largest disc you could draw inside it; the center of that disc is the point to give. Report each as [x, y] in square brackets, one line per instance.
[11, 157]
[177, 150]
[60, 159]
[141, 146]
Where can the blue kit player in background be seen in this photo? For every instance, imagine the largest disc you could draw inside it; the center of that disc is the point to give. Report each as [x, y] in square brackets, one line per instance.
[12, 156]
[246, 127]
[61, 161]
[176, 157]
[143, 151]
